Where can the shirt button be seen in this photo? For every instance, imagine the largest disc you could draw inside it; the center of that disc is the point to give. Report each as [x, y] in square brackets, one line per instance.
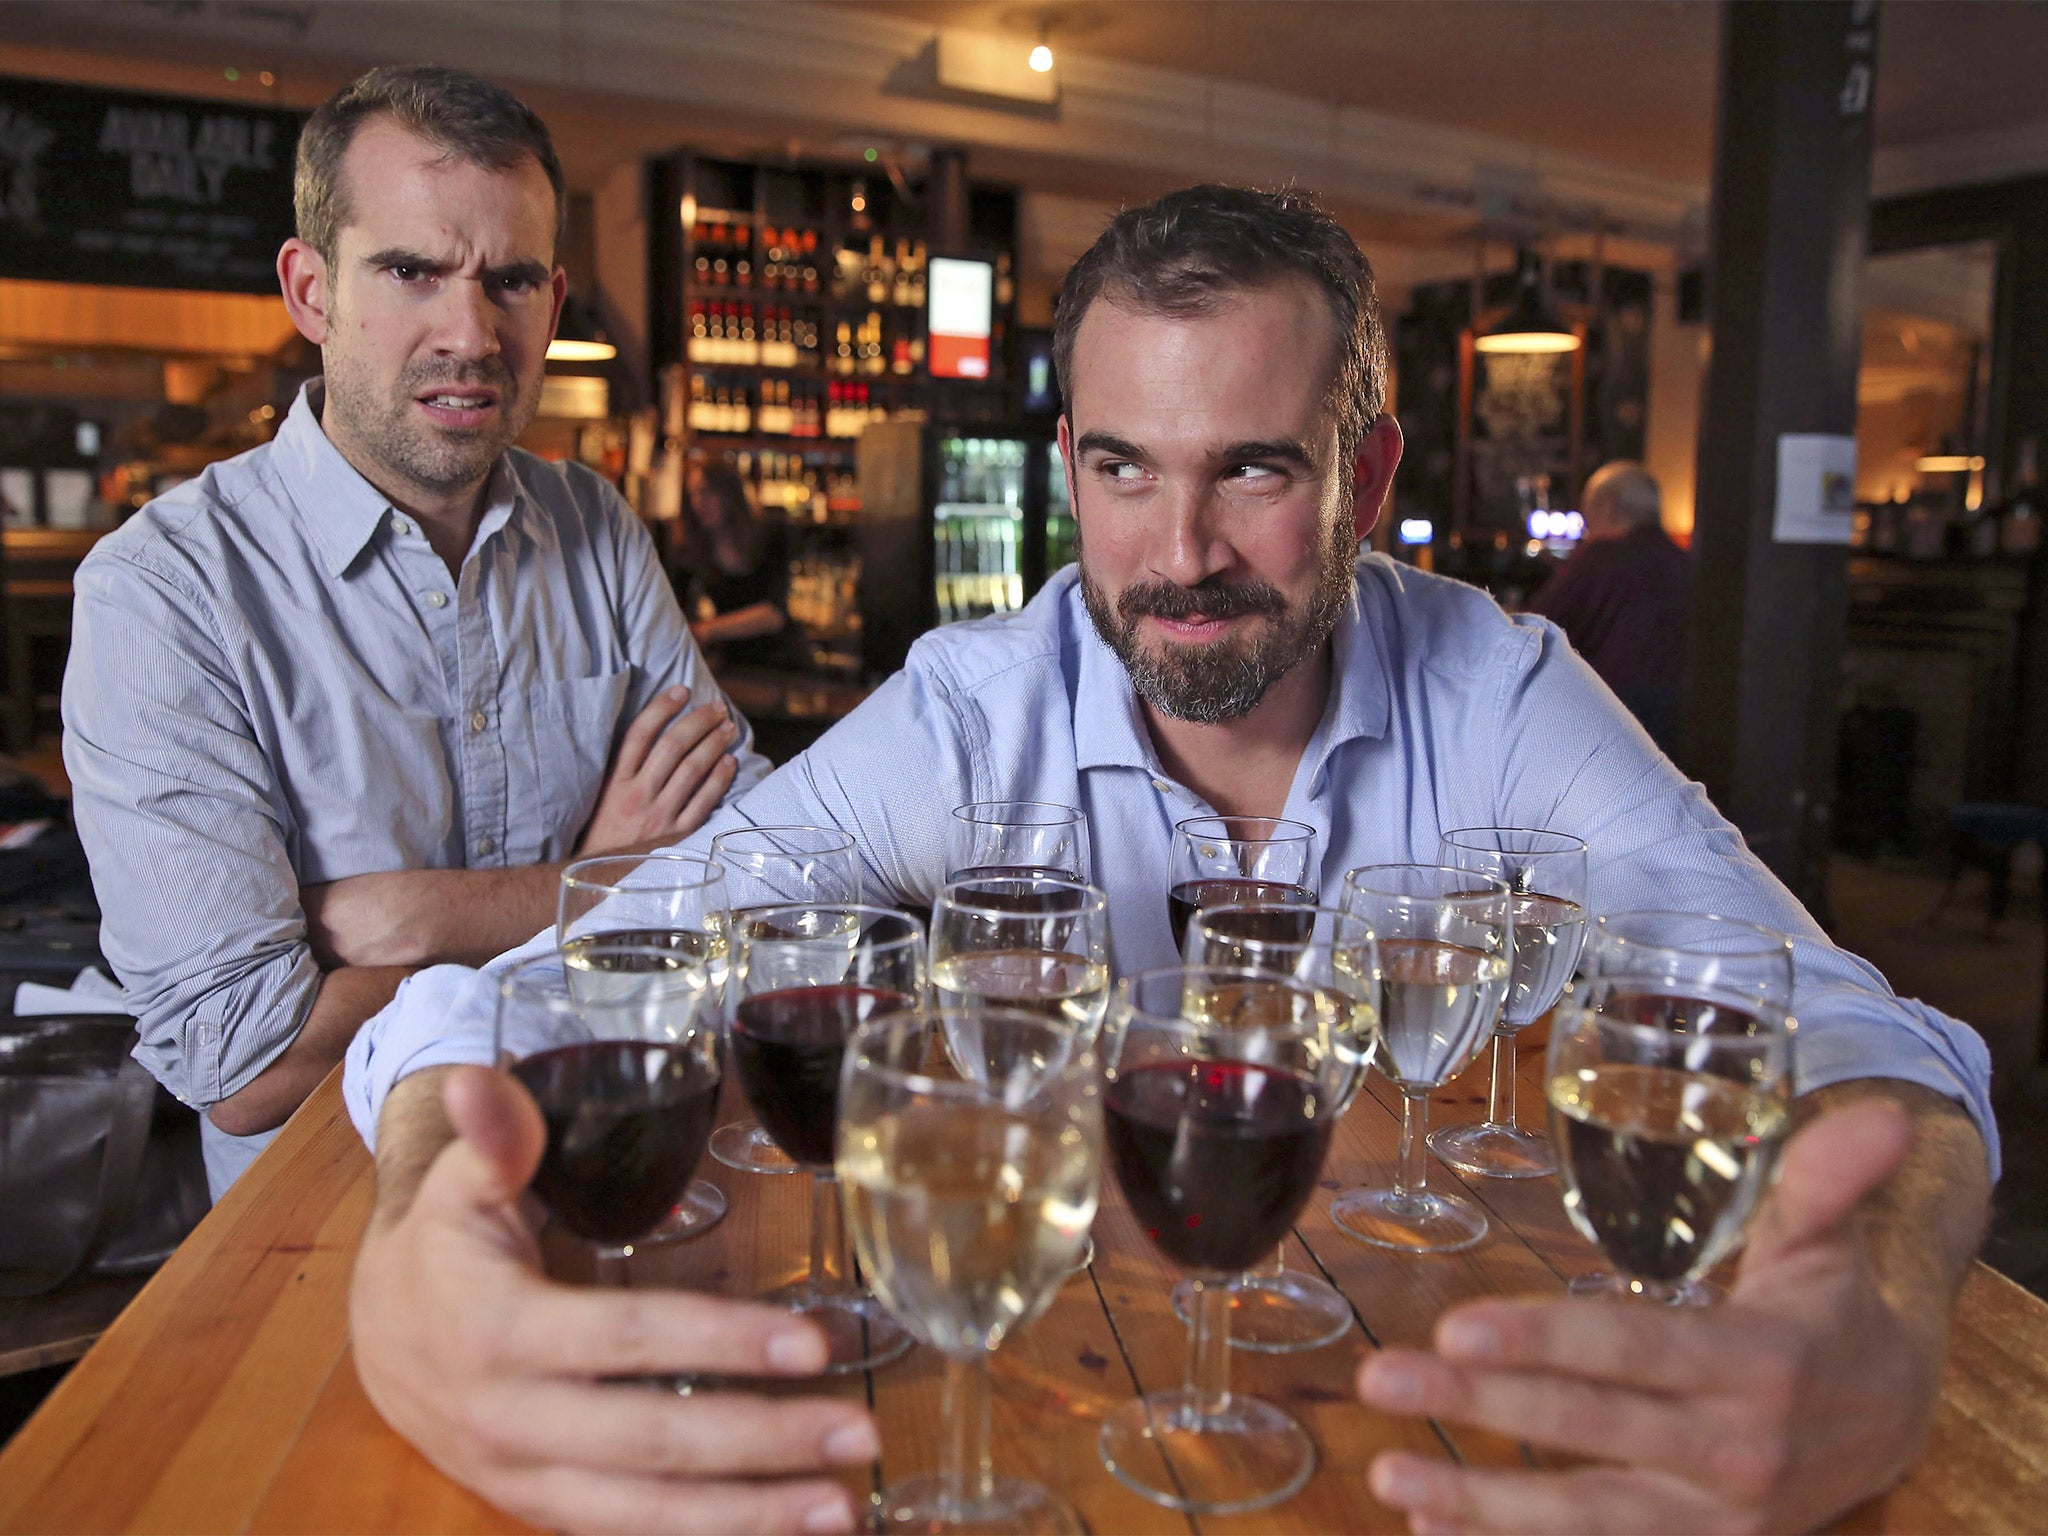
[487, 844]
[437, 599]
[477, 722]
[1162, 786]
[400, 526]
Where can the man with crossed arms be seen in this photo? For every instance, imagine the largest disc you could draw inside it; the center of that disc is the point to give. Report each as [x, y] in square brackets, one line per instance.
[1222, 648]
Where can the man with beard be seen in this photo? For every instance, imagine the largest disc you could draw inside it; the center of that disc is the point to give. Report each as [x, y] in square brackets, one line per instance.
[339, 707]
[1222, 649]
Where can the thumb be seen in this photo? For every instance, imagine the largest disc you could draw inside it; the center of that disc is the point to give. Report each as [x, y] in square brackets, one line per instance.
[499, 1139]
[1825, 1172]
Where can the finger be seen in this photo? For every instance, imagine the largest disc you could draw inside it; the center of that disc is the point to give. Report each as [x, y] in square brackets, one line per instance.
[646, 729]
[698, 808]
[693, 770]
[1440, 1497]
[1651, 1349]
[569, 1498]
[499, 1139]
[622, 1427]
[1825, 1171]
[584, 1331]
[676, 743]
[1560, 1412]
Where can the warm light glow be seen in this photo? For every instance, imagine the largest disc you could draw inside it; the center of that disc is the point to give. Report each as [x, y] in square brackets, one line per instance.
[1528, 341]
[561, 350]
[1947, 463]
[1041, 59]
[860, 204]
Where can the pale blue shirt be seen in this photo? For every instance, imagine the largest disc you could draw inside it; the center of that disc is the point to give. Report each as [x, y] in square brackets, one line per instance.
[1443, 712]
[275, 681]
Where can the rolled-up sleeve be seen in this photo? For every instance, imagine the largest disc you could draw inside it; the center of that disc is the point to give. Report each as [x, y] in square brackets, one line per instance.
[1576, 761]
[181, 818]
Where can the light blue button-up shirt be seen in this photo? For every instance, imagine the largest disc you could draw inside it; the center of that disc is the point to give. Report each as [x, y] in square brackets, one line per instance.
[1443, 712]
[275, 681]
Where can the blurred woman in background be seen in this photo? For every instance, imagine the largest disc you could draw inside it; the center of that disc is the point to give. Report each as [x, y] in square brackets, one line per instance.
[735, 570]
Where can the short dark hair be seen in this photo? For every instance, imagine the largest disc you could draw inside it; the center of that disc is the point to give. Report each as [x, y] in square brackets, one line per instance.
[1179, 254]
[464, 114]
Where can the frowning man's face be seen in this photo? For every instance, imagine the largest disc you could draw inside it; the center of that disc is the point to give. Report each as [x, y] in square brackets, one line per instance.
[1217, 545]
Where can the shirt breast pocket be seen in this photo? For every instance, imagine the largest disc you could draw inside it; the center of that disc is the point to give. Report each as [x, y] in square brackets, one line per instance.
[571, 723]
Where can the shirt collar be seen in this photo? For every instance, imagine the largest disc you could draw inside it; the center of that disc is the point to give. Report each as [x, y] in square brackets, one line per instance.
[341, 510]
[1109, 723]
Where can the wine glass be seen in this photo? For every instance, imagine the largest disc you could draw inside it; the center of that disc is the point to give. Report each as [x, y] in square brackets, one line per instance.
[665, 901]
[1221, 1087]
[769, 866]
[970, 1150]
[1276, 1310]
[1038, 942]
[626, 1078]
[1000, 837]
[1706, 974]
[1445, 937]
[1224, 859]
[1669, 1099]
[1546, 874]
[803, 978]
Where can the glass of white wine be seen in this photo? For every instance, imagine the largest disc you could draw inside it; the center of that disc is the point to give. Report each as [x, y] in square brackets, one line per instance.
[618, 911]
[970, 1153]
[1691, 974]
[1276, 1310]
[771, 867]
[1445, 938]
[1669, 1099]
[1546, 872]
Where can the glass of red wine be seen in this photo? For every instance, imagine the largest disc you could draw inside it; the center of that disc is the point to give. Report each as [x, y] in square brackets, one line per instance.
[626, 1076]
[803, 978]
[1445, 936]
[1631, 1104]
[1220, 1090]
[1273, 1309]
[1546, 874]
[1220, 860]
[766, 867]
[665, 901]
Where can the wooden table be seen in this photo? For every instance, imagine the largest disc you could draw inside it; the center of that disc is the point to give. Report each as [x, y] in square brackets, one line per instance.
[225, 1398]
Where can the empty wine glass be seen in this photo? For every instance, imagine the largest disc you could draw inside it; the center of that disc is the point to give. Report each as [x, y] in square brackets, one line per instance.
[970, 1150]
[1445, 936]
[803, 978]
[1669, 1099]
[1274, 1309]
[1218, 860]
[1688, 973]
[1028, 837]
[627, 1082]
[665, 901]
[1546, 874]
[771, 866]
[1221, 1087]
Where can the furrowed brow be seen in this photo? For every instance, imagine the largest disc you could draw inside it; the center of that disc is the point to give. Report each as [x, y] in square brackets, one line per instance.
[396, 256]
[1105, 442]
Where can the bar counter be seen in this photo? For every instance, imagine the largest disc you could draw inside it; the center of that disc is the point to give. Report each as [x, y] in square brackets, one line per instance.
[225, 1398]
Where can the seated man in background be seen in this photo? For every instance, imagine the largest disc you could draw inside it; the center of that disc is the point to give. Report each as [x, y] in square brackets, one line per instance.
[1624, 598]
[1222, 649]
[339, 707]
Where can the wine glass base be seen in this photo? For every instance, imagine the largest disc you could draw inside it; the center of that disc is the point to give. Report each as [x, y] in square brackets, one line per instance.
[1423, 1222]
[1281, 1314]
[1494, 1151]
[1250, 1456]
[701, 1208]
[1687, 1293]
[935, 1504]
[859, 1332]
[749, 1149]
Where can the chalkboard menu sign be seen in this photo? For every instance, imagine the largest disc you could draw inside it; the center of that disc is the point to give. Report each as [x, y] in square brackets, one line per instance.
[115, 187]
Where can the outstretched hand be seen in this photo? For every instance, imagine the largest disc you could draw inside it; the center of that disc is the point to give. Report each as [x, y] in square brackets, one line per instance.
[1808, 1391]
[496, 1373]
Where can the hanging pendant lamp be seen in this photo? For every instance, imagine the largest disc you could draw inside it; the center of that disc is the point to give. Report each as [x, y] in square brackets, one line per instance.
[1529, 326]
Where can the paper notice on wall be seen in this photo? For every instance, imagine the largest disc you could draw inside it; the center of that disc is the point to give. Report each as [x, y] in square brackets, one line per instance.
[1816, 488]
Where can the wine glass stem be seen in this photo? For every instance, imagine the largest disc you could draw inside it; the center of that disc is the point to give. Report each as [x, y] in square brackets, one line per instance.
[1411, 1175]
[965, 1470]
[1500, 1104]
[1208, 1376]
[830, 1267]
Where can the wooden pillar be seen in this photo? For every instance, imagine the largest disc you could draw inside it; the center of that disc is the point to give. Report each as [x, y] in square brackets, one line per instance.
[1790, 225]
